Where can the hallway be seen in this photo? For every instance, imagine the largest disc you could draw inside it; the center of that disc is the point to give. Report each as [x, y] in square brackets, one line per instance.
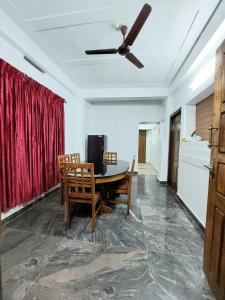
[155, 253]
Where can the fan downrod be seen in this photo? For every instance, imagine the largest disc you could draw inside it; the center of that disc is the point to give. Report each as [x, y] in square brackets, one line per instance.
[123, 29]
[123, 49]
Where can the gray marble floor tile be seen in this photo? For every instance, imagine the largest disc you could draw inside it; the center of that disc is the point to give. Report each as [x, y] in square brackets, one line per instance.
[174, 239]
[116, 228]
[23, 257]
[165, 216]
[157, 201]
[176, 277]
[41, 220]
[93, 271]
[113, 229]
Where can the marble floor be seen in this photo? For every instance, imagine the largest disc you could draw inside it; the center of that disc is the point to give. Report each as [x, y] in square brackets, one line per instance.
[155, 253]
[146, 169]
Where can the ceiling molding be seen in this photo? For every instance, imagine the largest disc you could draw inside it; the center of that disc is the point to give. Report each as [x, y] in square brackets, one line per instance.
[125, 101]
[115, 86]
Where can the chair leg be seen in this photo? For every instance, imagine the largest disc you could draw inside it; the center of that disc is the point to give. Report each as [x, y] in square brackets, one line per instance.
[128, 204]
[101, 203]
[93, 219]
[69, 218]
[61, 192]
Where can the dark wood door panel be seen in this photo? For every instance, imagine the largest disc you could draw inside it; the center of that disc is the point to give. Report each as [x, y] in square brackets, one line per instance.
[217, 244]
[221, 178]
[142, 146]
[223, 80]
[217, 268]
[222, 133]
[175, 122]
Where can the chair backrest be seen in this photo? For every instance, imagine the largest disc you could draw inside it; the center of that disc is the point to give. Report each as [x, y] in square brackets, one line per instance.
[110, 158]
[61, 159]
[75, 157]
[131, 174]
[79, 180]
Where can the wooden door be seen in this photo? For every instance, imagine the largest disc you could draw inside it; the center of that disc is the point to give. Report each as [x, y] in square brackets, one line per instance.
[174, 149]
[214, 250]
[142, 146]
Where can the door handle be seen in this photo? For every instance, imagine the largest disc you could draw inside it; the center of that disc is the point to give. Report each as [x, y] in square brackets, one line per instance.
[210, 144]
[211, 170]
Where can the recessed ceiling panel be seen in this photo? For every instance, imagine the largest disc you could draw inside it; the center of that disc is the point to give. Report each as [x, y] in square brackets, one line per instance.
[70, 43]
[94, 31]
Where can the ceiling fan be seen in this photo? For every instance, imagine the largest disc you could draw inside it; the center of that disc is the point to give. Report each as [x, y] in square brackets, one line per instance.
[128, 40]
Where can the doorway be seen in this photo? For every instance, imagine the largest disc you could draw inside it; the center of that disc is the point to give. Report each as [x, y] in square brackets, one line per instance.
[174, 146]
[149, 148]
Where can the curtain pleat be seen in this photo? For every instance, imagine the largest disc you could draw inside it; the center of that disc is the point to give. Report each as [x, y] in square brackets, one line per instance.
[31, 137]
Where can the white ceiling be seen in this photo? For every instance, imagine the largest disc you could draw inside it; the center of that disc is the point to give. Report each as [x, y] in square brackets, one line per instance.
[65, 29]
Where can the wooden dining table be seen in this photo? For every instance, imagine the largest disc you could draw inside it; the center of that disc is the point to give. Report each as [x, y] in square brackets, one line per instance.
[111, 173]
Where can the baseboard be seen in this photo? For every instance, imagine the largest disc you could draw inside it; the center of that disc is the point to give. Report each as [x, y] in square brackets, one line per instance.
[191, 214]
[28, 206]
[161, 181]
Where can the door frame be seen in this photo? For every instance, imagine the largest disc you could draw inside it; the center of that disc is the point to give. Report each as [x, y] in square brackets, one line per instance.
[179, 111]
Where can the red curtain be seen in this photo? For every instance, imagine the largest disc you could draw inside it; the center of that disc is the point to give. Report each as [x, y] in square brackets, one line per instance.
[31, 136]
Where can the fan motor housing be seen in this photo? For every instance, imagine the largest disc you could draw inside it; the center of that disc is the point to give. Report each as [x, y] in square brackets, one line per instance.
[123, 50]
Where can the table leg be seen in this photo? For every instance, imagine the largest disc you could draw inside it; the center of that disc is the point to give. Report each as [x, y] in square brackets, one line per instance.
[106, 209]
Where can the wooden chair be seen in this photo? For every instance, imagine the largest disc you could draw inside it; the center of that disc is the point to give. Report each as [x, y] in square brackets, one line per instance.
[75, 157]
[110, 158]
[79, 187]
[61, 159]
[124, 187]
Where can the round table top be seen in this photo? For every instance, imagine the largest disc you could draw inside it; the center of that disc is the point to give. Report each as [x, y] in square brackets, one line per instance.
[110, 170]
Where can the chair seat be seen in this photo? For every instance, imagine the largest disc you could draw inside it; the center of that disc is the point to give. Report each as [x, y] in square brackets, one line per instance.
[77, 199]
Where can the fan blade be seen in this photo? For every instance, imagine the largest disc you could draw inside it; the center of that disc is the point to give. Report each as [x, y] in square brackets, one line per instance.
[101, 51]
[138, 24]
[134, 60]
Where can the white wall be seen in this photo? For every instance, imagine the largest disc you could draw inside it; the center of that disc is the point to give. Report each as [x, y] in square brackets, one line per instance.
[148, 143]
[155, 148]
[120, 123]
[193, 177]
[164, 138]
